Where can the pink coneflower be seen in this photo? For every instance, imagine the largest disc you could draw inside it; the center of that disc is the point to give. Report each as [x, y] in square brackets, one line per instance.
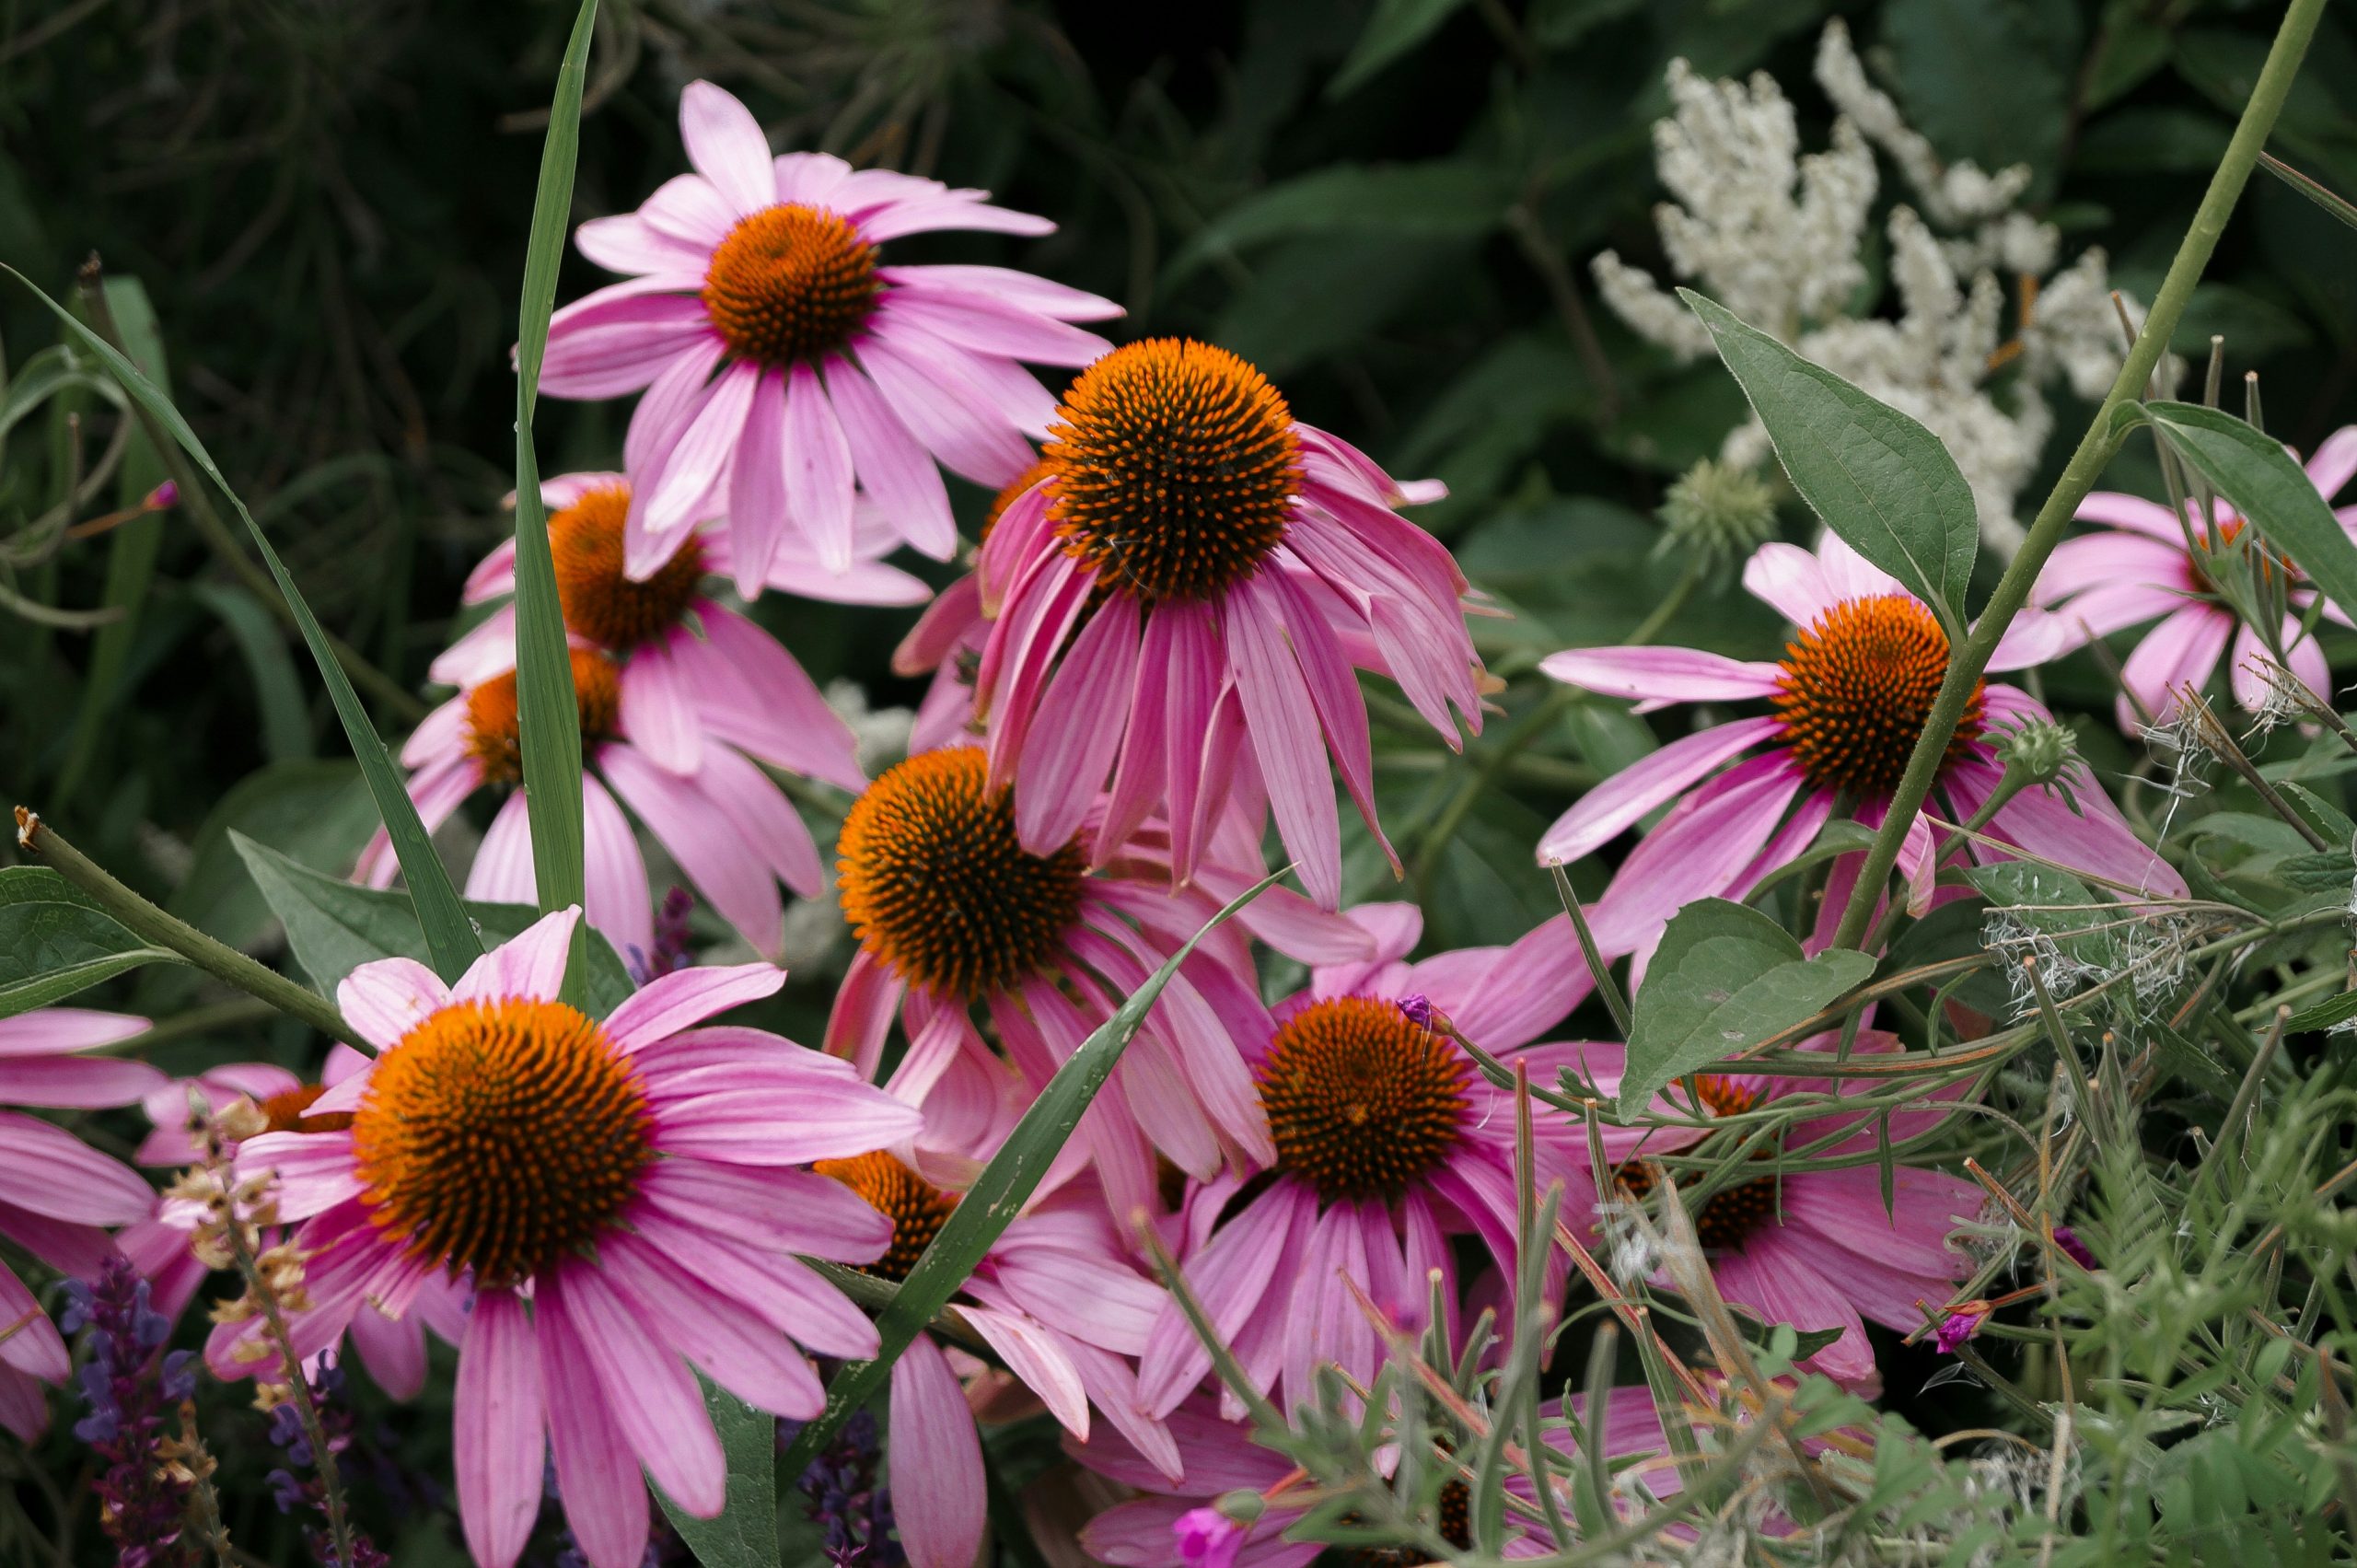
[946, 642]
[57, 1192]
[1055, 1299]
[1218, 1456]
[956, 918]
[681, 700]
[784, 365]
[2146, 563]
[1814, 1248]
[1386, 1140]
[618, 1195]
[392, 1349]
[1180, 603]
[1850, 696]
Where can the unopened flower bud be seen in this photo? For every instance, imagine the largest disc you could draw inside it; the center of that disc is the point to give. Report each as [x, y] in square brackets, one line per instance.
[1243, 1504]
[1719, 513]
[1960, 1326]
[2036, 750]
[165, 495]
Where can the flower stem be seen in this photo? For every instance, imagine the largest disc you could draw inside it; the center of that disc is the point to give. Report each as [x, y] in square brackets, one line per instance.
[2094, 452]
[224, 962]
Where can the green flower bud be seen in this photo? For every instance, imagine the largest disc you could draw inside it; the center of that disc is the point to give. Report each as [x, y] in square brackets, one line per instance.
[1243, 1504]
[1719, 514]
[2038, 749]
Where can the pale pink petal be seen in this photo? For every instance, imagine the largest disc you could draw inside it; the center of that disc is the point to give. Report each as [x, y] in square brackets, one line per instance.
[1790, 581]
[659, 708]
[615, 896]
[496, 1432]
[764, 818]
[628, 243]
[1659, 676]
[756, 489]
[484, 650]
[724, 869]
[384, 1000]
[2147, 517]
[688, 208]
[955, 420]
[1038, 1357]
[681, 492]
[1286, 738]
[730, 1344]
[1023, 290]
[726, 144]
[50, 1030]
[817, 469]
[2335, 460]
[934, 1443]
[531, 964]
[753, 695]
[2183, 650]
[1628, 796]
[894, 468]
[502, 873]
[687, 997]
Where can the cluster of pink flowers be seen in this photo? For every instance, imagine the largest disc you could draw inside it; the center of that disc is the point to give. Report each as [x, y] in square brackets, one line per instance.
[1153, 662]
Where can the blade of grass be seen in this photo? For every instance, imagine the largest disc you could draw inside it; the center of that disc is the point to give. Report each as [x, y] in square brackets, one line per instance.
[2314, 190]
[997, 1195]
[449, 934]
[548, 716]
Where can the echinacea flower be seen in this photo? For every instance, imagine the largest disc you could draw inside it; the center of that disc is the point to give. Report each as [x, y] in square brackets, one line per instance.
[1849, 699]
[57, 1195]
[2147, 563]
[1387, 1139]
[161, 1247]
[619, 1196]
[1182, 600]
[786, 369]
[1055, 1298]
[956, 918]
[681, 701]
[1814, 1248]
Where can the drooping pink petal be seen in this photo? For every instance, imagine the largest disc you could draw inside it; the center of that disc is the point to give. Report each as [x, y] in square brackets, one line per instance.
[596, 1475]
[1659, 676]
[893, 466]
[724, 869]
[757, 503]
[933, 1438]
[2183, 650]
[726, 1341]
[2148, 518]
[498, 1429]
[659, 711]
[1070, 748]
[51, 1030]
[1282, 722]
[817, 469]
[650, 1390]
[954, 419]
[754, 695]
[680, 493]
[614, 894]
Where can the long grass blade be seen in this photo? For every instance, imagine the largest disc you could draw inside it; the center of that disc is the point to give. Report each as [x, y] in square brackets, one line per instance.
[997, 1196]
[449, 934]
[548, 718]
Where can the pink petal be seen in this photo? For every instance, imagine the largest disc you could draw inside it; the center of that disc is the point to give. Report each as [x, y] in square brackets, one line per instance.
[753, 695]
[817, 469]
[1660, 676]
[933, 1437]
[1005, 285]
[726, 144]
[681, 490]
[756, 489]
[496, 1441]
[731, 1346]
[653, 1396]
[894, 469]
[659, 711]
[596, 1475]
[763, 818]
[953, 418]
[531, 964]
[1621, 800]
[1070, 748]
[615, 896]
[51, 1030]
[687, 997]
[1790, 581]
[1037, 1356]
[725, 870]
[1284, 726]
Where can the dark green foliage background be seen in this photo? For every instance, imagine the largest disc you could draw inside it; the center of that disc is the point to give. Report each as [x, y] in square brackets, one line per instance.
[1390, 207]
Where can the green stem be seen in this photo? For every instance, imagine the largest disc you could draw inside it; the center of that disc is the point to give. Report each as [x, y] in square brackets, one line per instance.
[2094, 452]
[136, 914]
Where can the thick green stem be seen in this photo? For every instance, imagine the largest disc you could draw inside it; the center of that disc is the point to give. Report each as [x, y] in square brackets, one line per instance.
[2095, 450]
[137, 915]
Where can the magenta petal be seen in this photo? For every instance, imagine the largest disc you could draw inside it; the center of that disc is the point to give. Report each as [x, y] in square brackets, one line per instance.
[496, 1432]
[1282, 722]
[1071, 747]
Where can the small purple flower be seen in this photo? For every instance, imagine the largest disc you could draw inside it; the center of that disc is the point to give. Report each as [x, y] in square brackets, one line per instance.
[1207, 1538]
[128, 1388]
[2072, 1248]
[164, 495]
[1417, 1009]
[1960, 1326]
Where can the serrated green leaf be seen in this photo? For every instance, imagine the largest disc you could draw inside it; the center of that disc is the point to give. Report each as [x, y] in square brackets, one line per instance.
[449, 934]
[2251, 470]
[548, 716]
[1723, 979]
[997, 1195]
[334, 926]
[744, 1533]
[2324, 1015]
[1396, 26]
[1880, 481]
[54, 941]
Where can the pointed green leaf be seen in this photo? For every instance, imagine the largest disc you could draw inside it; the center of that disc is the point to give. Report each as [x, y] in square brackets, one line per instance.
[548, 716]
[54, 941]
[334, 926]
[744, 1534]
[2314, 190]
[1880, 481]
[2266, 483]
[997, 1195]
[1723, 979]
[449, 937]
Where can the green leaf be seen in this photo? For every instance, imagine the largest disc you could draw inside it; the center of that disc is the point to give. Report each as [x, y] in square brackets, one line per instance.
[1396, 26]
[132, 547]
[2324, 1015]
[997, 1196]
[278, 693]
[317, 813]
[548, 716]
[744, 1534]
[449, 934]
[335, 926]
[1879, 479]
[1444, 199]
[2251, 470]
[1723, 979]
[54, 941]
